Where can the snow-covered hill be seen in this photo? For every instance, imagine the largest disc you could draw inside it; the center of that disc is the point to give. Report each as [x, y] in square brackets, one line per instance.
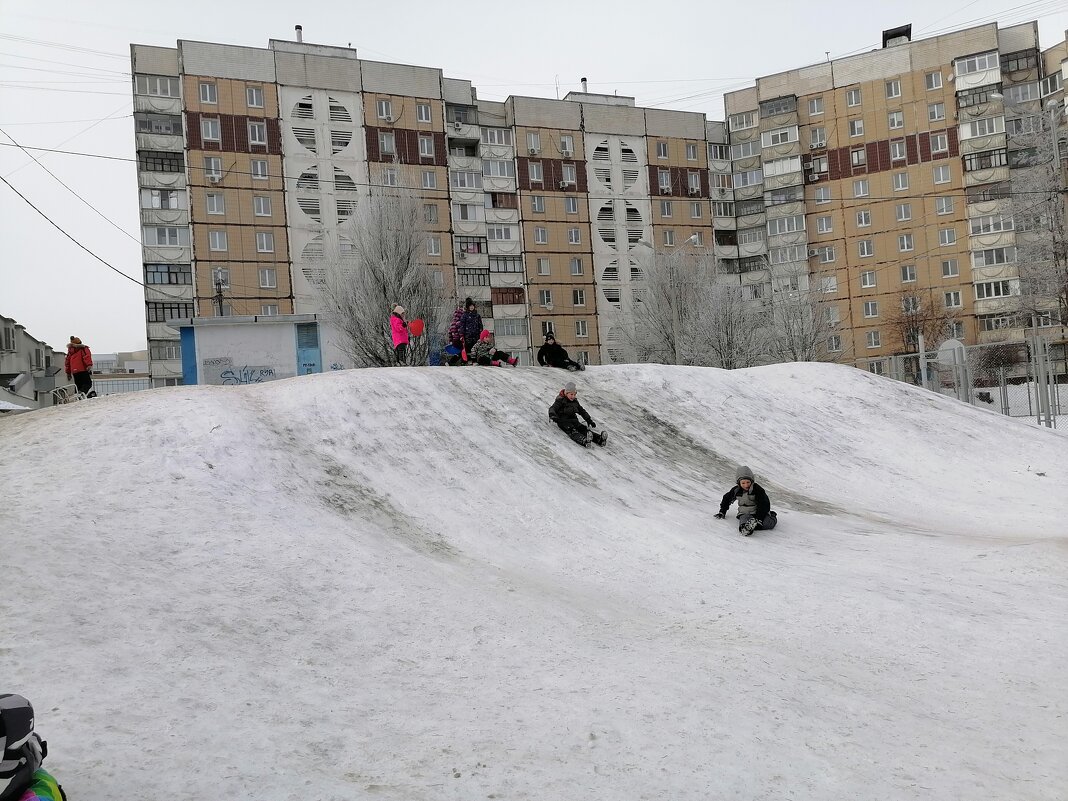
[407, 584]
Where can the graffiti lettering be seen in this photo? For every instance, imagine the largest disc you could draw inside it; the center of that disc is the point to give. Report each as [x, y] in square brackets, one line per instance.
[337, 366]
[246, 375]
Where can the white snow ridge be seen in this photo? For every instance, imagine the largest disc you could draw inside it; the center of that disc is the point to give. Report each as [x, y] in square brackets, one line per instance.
[407, 584]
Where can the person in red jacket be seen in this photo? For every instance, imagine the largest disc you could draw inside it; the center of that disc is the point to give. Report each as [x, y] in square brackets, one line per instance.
[79, 366]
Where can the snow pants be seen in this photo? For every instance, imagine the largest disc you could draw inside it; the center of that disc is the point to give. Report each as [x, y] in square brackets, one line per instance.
[574, 429]
[401, 352]
[767, 524]
[84, 382]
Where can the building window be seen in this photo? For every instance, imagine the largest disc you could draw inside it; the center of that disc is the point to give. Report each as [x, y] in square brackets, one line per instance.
[159, 161]
[933, 80]
[430, 179]
[264, 242]
[853, 98]
[387, 143]
[827, 255]
[574, 236]
[576, 265]
[905, 243]
[815, 106]
[908, 273]
[533, 142]
[254, 96]
[208, 93]
[822, 194]
[259, 168]
[578, 297]
[823, 225]
[500, 233]
[939, 143]
[893, 89]
[739, 122]
[947, 237]
[161, 312]
[269, 309]
[860, 188]
[165, 199]
[157, 86]
[433, 246]
[534, 172]
[863, 218]
[217, 240]
[871, 308]
[544, 268]
[213, 168]
[268, 278]
[210, 130]
[993, 289]
[718, 152]
[571, 205]
[834, 343]
[537, 204]
[663, 179]
[950, 269]
[953, 300]
[903, 212]
[872, 338]
[691, 152]
[385, 110]
[661, 150]
[567, 171]
[665, 208]
[936, 112]
[422, 112]
[220, 278]
[858, 157]
[895, 119]
[856, 127]
[901, 181]
[541, 235]
[867, 279]
[261, 206]
[389, 177]
[168, 274]
[669, 237]
[426, 146]
[545, 297]
[865, 247]
[818, 136]
[581, 331]
[941, 174]
[696, 210]
[430, 213]
[897, 151]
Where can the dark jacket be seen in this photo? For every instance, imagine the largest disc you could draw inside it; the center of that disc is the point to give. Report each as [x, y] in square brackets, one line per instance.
[554, 355]
[470, 327]
[763, 503]
[565, 411]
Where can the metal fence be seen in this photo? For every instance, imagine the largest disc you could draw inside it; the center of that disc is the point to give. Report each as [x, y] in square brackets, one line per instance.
[1018, 379]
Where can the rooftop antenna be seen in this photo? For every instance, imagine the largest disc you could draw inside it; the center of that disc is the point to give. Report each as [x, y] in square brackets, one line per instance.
[828, 53]
[585, 87]
[300, 33]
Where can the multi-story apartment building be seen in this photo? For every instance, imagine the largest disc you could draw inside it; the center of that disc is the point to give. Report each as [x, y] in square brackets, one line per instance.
[883, 179]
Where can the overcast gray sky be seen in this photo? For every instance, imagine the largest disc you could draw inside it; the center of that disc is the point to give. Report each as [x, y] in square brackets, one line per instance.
[64, 84]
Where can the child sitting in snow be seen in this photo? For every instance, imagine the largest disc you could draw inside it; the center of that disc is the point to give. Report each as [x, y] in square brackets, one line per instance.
[21, 754]
[486, 354]
[754, 506]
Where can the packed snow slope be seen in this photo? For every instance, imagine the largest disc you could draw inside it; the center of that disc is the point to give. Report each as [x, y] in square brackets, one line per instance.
[407, 584]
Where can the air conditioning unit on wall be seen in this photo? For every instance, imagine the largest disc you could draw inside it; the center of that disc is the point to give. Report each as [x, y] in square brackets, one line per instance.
[532, 151]
[813, 178]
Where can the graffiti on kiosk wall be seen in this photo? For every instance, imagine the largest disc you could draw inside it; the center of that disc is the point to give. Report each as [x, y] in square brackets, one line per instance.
[223, 371]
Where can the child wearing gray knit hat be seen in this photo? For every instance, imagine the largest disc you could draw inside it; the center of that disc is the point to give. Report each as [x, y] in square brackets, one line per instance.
[566, 411]
[754, 506]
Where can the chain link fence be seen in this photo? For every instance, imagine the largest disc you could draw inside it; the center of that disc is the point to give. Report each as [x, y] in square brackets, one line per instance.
[1026, 379]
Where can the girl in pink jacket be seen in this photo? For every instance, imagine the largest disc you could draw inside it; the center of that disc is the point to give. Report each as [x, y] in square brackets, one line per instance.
[399, 328]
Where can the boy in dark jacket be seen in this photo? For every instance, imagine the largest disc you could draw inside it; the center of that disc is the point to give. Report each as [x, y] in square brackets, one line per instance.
[754, 506]
[470, 324]
[566, 411]
[552, 355]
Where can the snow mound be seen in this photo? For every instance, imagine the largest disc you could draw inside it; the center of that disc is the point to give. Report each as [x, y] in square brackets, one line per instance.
[408, 584]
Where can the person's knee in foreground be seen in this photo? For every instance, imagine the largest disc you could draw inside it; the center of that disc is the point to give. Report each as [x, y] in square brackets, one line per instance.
[754, 506]
[566, 411]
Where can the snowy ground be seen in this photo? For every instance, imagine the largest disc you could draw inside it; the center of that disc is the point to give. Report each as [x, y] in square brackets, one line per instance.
[405, 584]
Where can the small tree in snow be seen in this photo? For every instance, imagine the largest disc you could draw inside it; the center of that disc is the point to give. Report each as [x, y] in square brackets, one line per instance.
[801, 321]
[389, 267]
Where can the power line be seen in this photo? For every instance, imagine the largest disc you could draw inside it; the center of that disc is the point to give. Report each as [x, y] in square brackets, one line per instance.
[71, 238]
[61, 46]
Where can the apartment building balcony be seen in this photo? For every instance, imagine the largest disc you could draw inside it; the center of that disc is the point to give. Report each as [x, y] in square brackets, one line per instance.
[757, 248]
[996, 305]
[497, 152]
[722, 193]
[165, 368]
[464, 131]
[725, 251]
[473, 261]
[505, 247]
[469, 227]
[169, 217]
[1001, 336]
[506, 280]
[755, 220]
[159, 141]
[160, 105]
[458, 162]
[786, 179]
[725, 223]
[502, 216]
[493, 183]
[985, 208]
[979, 144]
[988, 175]
[748, 192]
[997, 239]
[787, 209]
[162, 331]
[162, 180]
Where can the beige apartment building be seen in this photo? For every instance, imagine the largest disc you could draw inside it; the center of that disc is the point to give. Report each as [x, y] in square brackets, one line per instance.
[885, 180]
[882, 179]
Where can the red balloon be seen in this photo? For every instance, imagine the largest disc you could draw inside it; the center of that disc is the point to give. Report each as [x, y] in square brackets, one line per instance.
[416, 327]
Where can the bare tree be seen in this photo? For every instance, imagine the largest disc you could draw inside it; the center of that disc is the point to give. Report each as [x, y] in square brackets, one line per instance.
[802, 325]
[686, 315]
[1037, 182]
[390, 243]
[917, 313]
